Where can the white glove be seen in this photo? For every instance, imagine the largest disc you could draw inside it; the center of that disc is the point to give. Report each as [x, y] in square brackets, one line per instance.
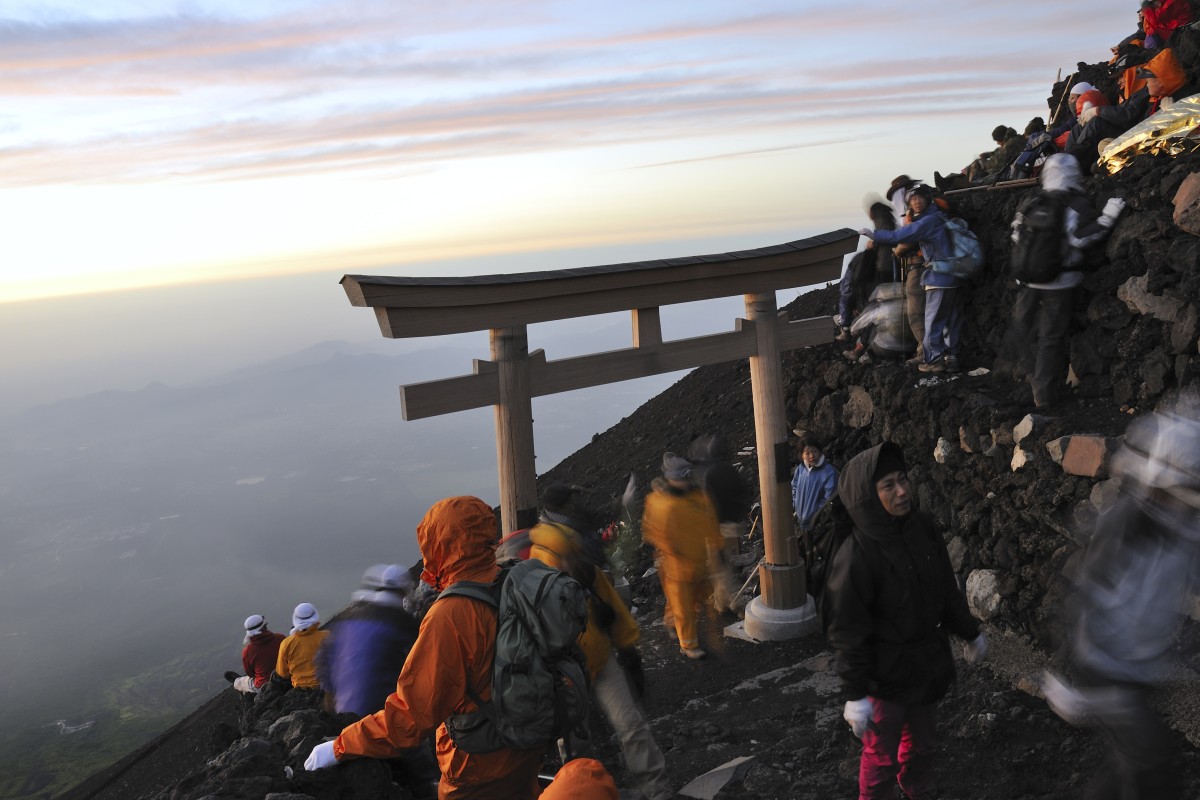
[321, 757]
[1114, 207]
[976, 649]
[1088, 114]
[867, 232]
[858, 713]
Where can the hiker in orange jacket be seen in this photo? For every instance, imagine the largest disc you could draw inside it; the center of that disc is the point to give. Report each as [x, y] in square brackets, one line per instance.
[454, 650]
[681, 524]
[558, 540]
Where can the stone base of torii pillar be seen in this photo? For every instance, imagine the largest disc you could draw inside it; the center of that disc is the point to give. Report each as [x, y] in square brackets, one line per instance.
[776, 625]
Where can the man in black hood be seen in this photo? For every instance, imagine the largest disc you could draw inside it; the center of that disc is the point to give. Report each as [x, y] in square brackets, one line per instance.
[893, 601]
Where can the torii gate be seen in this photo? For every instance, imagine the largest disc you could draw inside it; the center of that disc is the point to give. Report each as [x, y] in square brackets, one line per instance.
[505, 305]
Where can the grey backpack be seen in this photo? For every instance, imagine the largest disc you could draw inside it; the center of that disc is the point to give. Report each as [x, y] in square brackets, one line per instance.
[539, 679]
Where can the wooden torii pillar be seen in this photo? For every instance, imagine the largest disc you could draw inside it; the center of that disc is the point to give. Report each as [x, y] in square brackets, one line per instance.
[505, 305]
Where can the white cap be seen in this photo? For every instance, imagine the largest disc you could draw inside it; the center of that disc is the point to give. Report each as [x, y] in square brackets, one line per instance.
[305, 616]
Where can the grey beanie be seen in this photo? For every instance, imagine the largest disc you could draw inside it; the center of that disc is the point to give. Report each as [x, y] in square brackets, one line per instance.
[675, 468]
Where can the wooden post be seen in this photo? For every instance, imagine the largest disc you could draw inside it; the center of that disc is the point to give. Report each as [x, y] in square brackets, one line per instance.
[514, 428]
[781, 577]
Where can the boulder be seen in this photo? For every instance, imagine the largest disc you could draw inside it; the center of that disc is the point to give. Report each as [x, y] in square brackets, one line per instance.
[1135, 294]
[1026, 426]
[859, 409]
[1086, 455]
[1019, 459]
[1104, 494]
[1057, 448]
[942, 450]
[969, 441]
[983, 593]
[1187, 205]
[957, 549]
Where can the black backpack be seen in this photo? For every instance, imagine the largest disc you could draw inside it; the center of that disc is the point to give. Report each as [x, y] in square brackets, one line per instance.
[1039, 238]
[831, 526]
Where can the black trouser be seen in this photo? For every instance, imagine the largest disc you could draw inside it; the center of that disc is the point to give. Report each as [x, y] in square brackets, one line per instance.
[1041, 321]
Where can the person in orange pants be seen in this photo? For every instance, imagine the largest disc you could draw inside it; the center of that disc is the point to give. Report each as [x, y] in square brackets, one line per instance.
[681, 523]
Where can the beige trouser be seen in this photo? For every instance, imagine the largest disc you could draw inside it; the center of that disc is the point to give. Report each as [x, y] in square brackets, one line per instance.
[642, 756]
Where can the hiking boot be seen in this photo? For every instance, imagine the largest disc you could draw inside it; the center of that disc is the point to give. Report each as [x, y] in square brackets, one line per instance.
[865, 358]
[933, 366]
[855, 354]
[694, 653]
[951, 363]
[231, 676]
[843, 335]
[915, 361]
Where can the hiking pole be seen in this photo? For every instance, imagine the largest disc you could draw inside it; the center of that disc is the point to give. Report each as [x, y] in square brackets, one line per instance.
[753, 573]
[1062, 99]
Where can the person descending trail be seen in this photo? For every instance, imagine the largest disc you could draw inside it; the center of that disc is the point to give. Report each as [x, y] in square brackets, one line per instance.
[680, 523]
[559, 541]
[893, 598]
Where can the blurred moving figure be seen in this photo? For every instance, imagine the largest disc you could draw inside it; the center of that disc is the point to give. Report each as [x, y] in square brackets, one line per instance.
[360, 661]
[1139, 568]
[561, 540]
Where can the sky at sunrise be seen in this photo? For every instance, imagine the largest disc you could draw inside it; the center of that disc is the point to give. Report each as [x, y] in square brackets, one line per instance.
[148, 143]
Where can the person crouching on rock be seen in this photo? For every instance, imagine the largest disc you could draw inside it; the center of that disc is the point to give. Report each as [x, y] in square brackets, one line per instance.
[893, 599]
[681, 524]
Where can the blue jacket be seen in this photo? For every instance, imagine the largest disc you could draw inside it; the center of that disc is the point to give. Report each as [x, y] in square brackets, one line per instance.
[359, 661]
[929, 231]
[811, 488]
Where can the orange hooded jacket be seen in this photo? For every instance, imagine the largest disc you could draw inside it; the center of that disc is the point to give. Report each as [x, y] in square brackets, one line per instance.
[455, 647]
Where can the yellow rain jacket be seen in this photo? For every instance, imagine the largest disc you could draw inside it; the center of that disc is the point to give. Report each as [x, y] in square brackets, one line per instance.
[297, 657]
[455, 648]
[682, 528]
[561, 547]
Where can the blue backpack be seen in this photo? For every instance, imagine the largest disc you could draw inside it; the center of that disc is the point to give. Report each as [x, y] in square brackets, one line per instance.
[966, 256]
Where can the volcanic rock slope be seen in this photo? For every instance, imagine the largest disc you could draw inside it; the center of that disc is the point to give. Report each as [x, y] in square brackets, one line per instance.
[991, 478]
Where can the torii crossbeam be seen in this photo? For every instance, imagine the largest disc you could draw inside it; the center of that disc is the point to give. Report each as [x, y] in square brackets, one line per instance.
[505, 305]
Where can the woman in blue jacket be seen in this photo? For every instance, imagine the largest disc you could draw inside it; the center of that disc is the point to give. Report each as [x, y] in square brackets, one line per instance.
[943, 317]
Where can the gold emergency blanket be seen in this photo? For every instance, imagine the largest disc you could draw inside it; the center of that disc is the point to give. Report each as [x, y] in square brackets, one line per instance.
[1172, 131]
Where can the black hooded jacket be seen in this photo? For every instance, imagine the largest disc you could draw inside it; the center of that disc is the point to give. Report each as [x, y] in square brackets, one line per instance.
[893, 598]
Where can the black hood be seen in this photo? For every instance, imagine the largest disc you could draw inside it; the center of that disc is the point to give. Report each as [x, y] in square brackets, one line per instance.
[856, 486]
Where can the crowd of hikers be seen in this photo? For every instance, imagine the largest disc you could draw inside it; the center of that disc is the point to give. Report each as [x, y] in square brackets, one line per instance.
[901, 298]
[473, 666]
[476, 668]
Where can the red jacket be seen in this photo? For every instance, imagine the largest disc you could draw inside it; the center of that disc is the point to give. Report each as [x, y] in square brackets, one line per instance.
[259, 654]
[1166, 18]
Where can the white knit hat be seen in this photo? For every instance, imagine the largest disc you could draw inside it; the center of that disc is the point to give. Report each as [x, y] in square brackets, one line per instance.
[255, 624]
[1081, 87]
[305, 616]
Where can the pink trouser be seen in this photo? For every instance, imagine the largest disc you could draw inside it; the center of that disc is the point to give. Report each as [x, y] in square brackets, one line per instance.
[899, 746]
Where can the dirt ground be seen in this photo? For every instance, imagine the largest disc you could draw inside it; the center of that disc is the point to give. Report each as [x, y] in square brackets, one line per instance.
[778, 703]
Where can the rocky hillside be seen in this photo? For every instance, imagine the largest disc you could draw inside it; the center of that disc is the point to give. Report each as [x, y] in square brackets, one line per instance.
[1016, 495]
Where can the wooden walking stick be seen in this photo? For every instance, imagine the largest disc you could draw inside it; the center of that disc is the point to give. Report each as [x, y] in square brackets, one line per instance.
[1063, 98]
